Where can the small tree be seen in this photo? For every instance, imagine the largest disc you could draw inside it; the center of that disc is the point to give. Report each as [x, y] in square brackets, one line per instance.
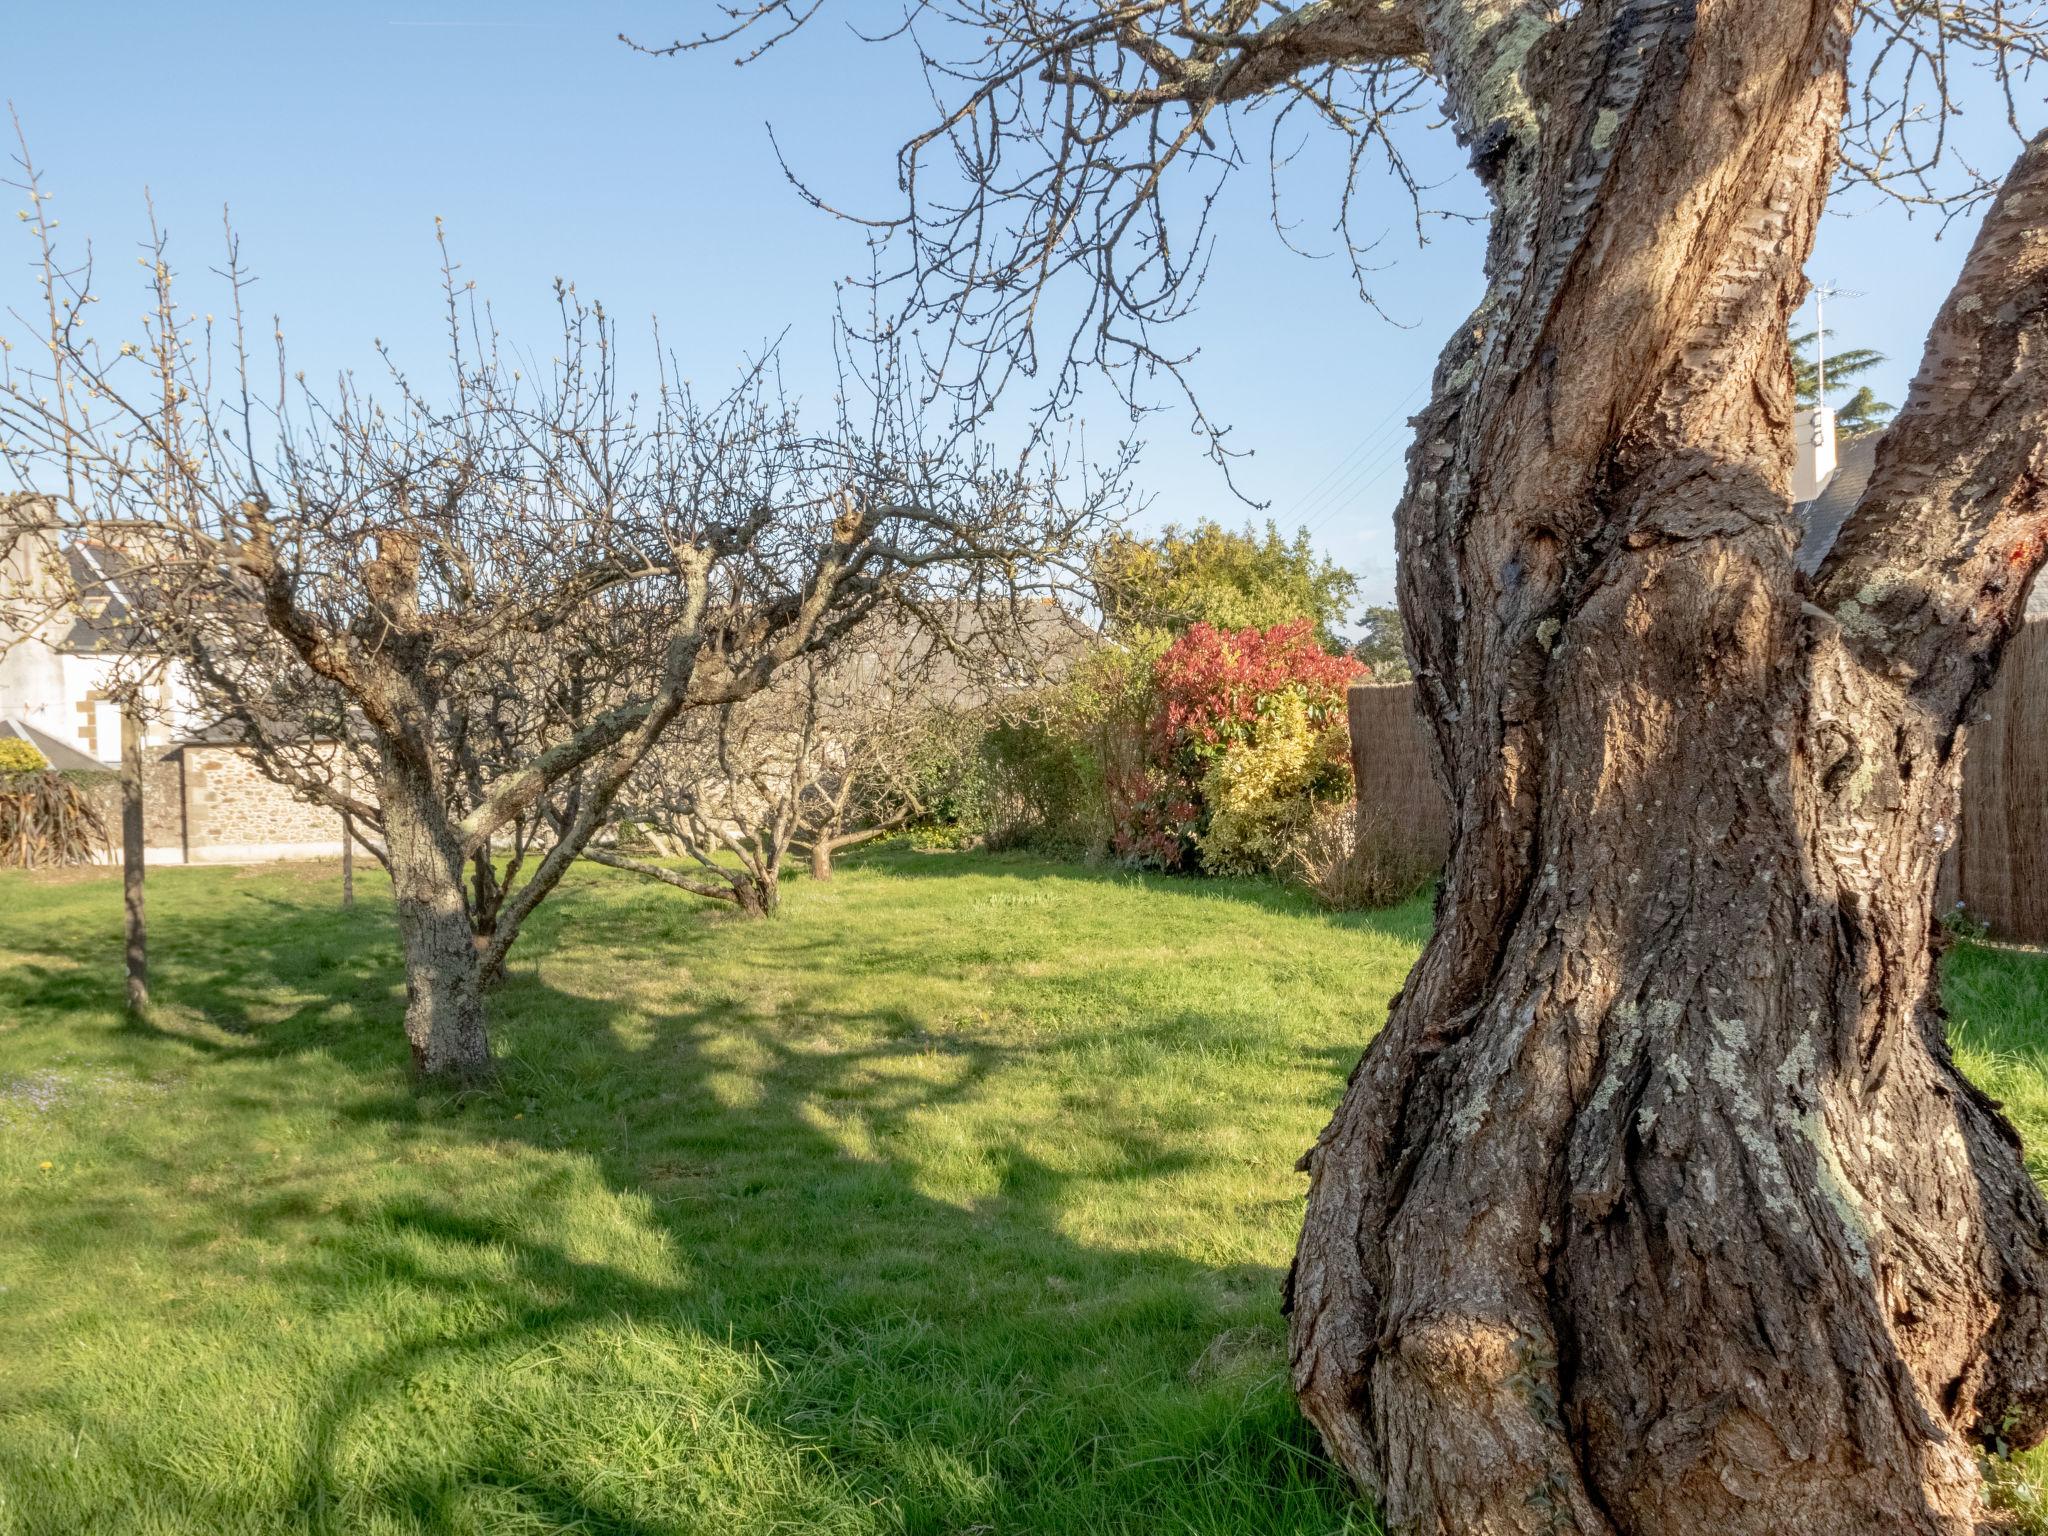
[1382, 645]
[1209, 574]
[437, 611]
[720, 799]
[843, 749]
[889, 716]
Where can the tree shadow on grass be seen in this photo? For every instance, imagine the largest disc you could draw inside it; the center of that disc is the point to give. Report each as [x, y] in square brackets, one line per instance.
[711, 1261]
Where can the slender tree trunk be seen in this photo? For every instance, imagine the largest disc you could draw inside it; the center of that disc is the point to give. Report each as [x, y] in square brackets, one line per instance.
[133, 857]
[1658, 1206]
[821, 857]
[348, 860]
[444, 991]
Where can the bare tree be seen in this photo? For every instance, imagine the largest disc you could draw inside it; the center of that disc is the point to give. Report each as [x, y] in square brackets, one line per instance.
[832, 756]
[721, 800]
[872, 781]
[1658, 1206]
[438, 611]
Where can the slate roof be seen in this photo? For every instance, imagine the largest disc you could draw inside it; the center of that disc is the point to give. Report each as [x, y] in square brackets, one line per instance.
[65, 759]
[100, 573]
[1821, 519]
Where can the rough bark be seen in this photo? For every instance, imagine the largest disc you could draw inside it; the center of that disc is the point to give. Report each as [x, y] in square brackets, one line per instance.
[832, 842]
[444, 974]
[1658, 1206]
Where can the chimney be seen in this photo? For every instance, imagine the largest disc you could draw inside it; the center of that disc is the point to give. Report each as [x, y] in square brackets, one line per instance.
[1813, 452]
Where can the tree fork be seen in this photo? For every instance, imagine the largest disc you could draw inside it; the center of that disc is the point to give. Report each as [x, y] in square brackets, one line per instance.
[1658, 1206]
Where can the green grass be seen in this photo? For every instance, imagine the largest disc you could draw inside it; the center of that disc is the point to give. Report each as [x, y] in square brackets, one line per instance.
[956, 1200]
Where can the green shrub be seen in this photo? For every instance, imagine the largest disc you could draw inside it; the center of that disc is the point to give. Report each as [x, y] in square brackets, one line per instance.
[1040, 784]
[1262, 790]
[18, 757]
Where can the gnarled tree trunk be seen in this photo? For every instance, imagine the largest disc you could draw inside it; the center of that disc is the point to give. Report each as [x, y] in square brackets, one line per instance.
[444, 979]
[1659, 1206]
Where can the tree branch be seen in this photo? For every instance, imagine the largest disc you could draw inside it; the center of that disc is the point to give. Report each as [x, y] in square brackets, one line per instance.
[1931, 571]
[672, 877]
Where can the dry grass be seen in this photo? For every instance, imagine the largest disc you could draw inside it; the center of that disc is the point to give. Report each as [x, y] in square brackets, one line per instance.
[1353, 858]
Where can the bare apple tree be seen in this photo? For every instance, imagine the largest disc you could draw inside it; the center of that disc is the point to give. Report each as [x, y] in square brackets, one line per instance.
[839, 751]
[442, 610]
[1658, 1206]
[725, 799]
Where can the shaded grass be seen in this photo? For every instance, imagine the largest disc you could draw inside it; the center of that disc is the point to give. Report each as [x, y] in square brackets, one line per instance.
[956, 1200]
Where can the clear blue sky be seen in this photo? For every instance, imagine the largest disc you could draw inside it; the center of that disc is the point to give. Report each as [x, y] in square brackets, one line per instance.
[337, 134]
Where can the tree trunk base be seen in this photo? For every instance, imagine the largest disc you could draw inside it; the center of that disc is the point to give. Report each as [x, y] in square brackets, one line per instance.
[1745, 1261]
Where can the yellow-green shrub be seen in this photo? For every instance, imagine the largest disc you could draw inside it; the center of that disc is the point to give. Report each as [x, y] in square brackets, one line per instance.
[1262, 790]
[18, 756]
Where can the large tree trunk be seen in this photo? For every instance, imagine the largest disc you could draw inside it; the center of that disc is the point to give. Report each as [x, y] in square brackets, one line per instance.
[444, 982]
[1658, 1206]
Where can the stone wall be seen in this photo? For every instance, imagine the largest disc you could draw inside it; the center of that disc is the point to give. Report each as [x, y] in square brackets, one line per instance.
[212, 805]
[163, 804]
[232, 811]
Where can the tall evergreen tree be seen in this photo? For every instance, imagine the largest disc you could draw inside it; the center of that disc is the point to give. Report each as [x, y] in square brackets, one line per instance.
[1864, 413]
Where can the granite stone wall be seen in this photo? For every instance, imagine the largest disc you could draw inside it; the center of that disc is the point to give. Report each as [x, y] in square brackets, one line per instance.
[205, 804]
[229, 803]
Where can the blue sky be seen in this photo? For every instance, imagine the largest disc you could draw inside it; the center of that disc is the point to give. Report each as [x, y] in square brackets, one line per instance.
[336, 134]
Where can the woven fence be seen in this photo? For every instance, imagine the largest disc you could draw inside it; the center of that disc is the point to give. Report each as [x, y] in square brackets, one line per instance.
[1998, 869]
[1390, 762]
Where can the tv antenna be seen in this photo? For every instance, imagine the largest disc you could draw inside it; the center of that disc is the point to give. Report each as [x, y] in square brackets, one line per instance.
[1822, 292]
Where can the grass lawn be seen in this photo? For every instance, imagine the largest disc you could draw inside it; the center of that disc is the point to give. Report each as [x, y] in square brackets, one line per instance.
[956, 1200]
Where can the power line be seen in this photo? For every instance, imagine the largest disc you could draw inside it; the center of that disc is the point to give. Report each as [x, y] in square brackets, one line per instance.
[1341, 483]
[1317, 493]
[1358, 493]
[1392, 450]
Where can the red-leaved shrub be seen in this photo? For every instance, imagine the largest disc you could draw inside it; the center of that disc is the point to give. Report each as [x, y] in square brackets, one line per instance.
[1210, 681]
[1210, 690]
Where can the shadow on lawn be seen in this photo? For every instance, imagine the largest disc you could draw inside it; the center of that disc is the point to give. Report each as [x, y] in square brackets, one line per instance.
[893, 1340]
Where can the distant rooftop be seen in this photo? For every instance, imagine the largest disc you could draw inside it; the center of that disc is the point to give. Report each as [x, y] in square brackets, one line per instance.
[1821, 519]
[63, 758]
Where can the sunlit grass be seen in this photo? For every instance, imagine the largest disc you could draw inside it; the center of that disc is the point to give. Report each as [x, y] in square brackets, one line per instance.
[956, 1200]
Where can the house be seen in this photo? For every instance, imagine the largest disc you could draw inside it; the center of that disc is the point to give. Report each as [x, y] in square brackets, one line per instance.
[68, 646]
